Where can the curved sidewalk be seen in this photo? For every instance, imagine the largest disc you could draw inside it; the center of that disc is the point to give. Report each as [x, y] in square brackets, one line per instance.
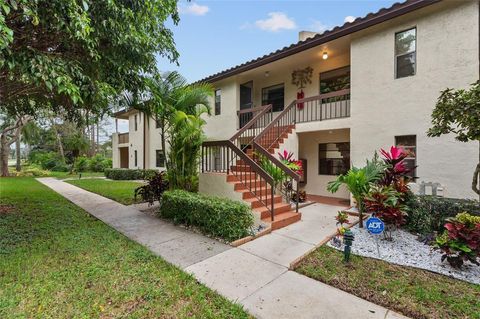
[255, 274]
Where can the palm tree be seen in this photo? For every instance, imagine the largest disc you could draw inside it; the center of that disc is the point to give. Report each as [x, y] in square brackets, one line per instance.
[185, 143]
[358, 181]
[168, 93]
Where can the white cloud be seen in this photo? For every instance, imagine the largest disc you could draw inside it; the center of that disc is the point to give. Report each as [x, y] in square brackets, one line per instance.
[318, 26]
[276, 21]
[349, 19]
[193, 9]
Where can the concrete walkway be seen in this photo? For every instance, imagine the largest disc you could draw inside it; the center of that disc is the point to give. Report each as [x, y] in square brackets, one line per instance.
[255, 274]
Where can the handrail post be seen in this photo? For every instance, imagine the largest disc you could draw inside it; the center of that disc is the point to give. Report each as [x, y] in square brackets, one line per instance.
[297, 199]
[273, 193]
[228, 161]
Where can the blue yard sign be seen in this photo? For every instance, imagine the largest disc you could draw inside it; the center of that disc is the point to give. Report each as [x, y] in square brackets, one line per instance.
[375, 225]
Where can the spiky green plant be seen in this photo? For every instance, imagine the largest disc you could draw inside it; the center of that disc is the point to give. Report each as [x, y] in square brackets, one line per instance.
[358, 182]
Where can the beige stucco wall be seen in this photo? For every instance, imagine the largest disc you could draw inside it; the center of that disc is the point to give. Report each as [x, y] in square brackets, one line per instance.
[308, 149]
[153, 143]
[223, 126]
[383, 107]
[216, 185]
[135, 142]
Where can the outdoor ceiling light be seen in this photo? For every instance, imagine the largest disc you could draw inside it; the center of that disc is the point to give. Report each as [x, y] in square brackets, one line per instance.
[325, 55]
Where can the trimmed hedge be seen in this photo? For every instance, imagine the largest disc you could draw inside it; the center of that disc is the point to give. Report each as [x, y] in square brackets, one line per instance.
[129, 174]
[427, 214]
[219, 217]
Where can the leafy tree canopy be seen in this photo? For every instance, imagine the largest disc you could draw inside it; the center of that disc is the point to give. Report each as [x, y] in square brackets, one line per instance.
[68, 55]
[458, 112]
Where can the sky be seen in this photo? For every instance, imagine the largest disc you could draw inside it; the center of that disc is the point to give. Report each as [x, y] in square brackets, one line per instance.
[218, 34]
[214, 35]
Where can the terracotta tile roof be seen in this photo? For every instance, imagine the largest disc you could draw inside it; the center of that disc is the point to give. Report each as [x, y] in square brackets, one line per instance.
[358, 24]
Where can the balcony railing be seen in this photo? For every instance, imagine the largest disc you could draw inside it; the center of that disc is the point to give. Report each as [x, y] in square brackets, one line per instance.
[122, 138]
[333, 105]
[327, 106]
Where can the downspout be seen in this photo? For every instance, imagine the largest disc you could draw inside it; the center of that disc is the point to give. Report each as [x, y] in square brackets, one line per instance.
[144, 139]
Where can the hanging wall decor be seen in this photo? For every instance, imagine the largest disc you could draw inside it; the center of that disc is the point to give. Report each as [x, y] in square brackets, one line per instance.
[301, 78]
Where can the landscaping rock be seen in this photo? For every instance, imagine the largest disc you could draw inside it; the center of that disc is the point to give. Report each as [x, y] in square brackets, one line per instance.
[406, 250]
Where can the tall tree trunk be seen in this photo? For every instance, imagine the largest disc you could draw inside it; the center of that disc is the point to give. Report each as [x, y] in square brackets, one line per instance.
[8, 136]
[59, 141]
[18, 166]
[98, 139]
[92, 146]
[4, 151]
[476, 176]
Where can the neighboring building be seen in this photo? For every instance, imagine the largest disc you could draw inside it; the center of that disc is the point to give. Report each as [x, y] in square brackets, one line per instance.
[378, 78]
[141, 146]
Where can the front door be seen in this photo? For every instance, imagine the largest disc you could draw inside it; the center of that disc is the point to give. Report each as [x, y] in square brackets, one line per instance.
[246, 96]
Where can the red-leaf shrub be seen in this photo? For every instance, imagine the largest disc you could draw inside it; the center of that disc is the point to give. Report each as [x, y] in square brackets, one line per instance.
[461, 240]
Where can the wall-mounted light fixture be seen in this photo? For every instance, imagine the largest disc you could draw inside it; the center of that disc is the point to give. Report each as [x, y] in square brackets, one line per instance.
[325, 55]
[267, 74]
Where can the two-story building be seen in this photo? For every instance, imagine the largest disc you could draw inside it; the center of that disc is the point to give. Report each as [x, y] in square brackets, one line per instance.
[337, 97]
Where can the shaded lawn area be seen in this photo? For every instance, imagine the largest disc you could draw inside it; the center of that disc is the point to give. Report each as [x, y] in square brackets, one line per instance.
[64, 175]
[119, 191]
[56, 261]
[413, 292]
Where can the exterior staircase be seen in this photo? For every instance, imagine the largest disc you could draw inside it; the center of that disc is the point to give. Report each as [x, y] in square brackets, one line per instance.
[237, 158]
[262, 134]
[283, 214]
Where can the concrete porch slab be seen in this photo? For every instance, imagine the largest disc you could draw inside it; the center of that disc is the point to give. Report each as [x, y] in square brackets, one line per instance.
[236, 274]
[278, 249]
[295, 296]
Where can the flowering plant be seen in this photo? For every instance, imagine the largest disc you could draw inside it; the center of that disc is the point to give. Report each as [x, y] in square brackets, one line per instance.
[287, 159]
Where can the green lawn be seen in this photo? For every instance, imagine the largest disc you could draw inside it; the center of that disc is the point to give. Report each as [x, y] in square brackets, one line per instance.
[56, 261]
[120, 191]
[64, 175]
[413, 292]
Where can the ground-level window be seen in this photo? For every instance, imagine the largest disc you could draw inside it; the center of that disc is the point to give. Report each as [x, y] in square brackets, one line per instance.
[160, 158]
[135, 158]
[218, 105]
[333, 158]
[274, 95]
[409, 145]
[405, 53]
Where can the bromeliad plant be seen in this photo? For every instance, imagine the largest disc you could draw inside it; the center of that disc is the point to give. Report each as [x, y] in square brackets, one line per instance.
[461, 240]
[287, 159]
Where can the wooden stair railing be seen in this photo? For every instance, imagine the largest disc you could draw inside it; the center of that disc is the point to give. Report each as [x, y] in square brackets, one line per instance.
[231, 157]
[265, 143]
[218, 156]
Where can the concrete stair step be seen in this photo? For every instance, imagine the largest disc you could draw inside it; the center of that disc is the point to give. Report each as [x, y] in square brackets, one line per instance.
[238, 186]
[284, 219]
[251, 193]
[277, 210]
[256, 203]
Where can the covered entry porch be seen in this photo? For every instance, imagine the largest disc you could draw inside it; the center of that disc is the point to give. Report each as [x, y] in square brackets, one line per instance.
[326, 154]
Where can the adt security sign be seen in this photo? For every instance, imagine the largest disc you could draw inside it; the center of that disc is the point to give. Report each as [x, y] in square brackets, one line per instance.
[375, 225]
